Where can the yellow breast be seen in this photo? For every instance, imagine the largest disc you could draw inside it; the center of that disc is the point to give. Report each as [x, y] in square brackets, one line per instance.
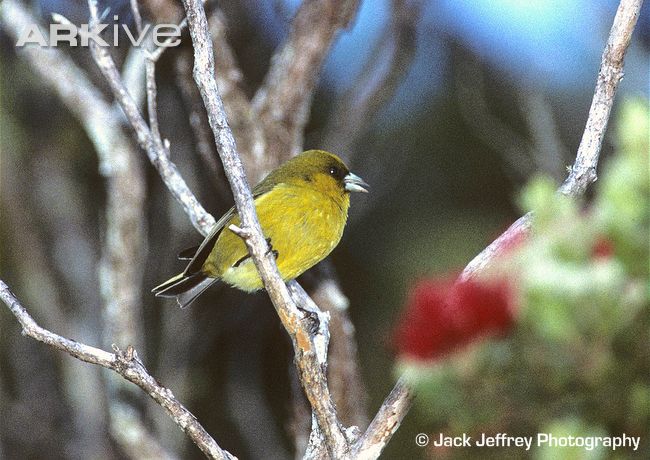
[304, 226]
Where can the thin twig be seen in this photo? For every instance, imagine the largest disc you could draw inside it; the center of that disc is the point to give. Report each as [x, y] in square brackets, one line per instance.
[137, 17]
[583, 172]
[127, 364]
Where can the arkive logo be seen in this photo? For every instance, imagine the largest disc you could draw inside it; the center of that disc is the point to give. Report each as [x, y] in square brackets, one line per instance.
[165, 35]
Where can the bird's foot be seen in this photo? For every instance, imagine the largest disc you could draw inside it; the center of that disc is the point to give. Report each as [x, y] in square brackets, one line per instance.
[271, 250]
[311, 317]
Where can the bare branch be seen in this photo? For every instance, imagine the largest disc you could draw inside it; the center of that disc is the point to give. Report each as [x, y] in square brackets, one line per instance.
[310, 351]
[282, 102]
[583, 172]
[520, 228]
[201, 219]
[125, 363]
[610, 74]
[136, 15]
[386, 422]
[344, 375]
[152, 103]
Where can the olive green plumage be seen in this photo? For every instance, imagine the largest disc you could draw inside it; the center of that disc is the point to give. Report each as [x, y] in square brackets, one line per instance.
[302, 207]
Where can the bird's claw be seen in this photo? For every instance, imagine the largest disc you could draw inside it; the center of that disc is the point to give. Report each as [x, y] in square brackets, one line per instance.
[312, 319]
[271, 250]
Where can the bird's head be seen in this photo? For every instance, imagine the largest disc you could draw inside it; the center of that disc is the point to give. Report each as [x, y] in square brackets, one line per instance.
[321, 170]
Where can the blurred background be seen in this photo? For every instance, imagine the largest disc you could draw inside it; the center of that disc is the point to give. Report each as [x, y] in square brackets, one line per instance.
[486, 96]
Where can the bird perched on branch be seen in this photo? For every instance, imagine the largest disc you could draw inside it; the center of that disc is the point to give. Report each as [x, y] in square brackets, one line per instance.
[302, 207]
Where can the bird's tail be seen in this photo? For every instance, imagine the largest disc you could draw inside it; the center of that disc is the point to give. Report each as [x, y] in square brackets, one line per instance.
[185, 287]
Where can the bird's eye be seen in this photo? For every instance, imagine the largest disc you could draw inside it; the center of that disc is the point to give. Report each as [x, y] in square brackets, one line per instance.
[334, 171]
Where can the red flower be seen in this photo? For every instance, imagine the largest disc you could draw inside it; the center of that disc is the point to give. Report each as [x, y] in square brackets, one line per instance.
[442, 316]
[602, 249]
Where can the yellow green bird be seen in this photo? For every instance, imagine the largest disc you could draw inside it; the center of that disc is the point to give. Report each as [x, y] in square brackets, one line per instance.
[302, 207]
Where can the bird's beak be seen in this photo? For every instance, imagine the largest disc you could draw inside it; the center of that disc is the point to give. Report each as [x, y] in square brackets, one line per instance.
[354, 183]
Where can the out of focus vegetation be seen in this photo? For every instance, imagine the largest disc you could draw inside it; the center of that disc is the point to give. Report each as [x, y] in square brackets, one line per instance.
[577, 361]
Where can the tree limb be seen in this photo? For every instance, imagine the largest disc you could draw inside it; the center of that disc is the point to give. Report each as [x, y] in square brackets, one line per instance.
[125, 363]
[583, 172]
[310, 350]
[386, 422]
[344, 375]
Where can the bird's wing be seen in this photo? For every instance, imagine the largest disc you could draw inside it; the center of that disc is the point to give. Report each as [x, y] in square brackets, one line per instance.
[206, 246]
[187, 254]
[204, 250]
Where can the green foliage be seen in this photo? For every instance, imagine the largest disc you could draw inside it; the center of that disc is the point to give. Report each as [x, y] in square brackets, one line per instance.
[578, 360]
[576, 428]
